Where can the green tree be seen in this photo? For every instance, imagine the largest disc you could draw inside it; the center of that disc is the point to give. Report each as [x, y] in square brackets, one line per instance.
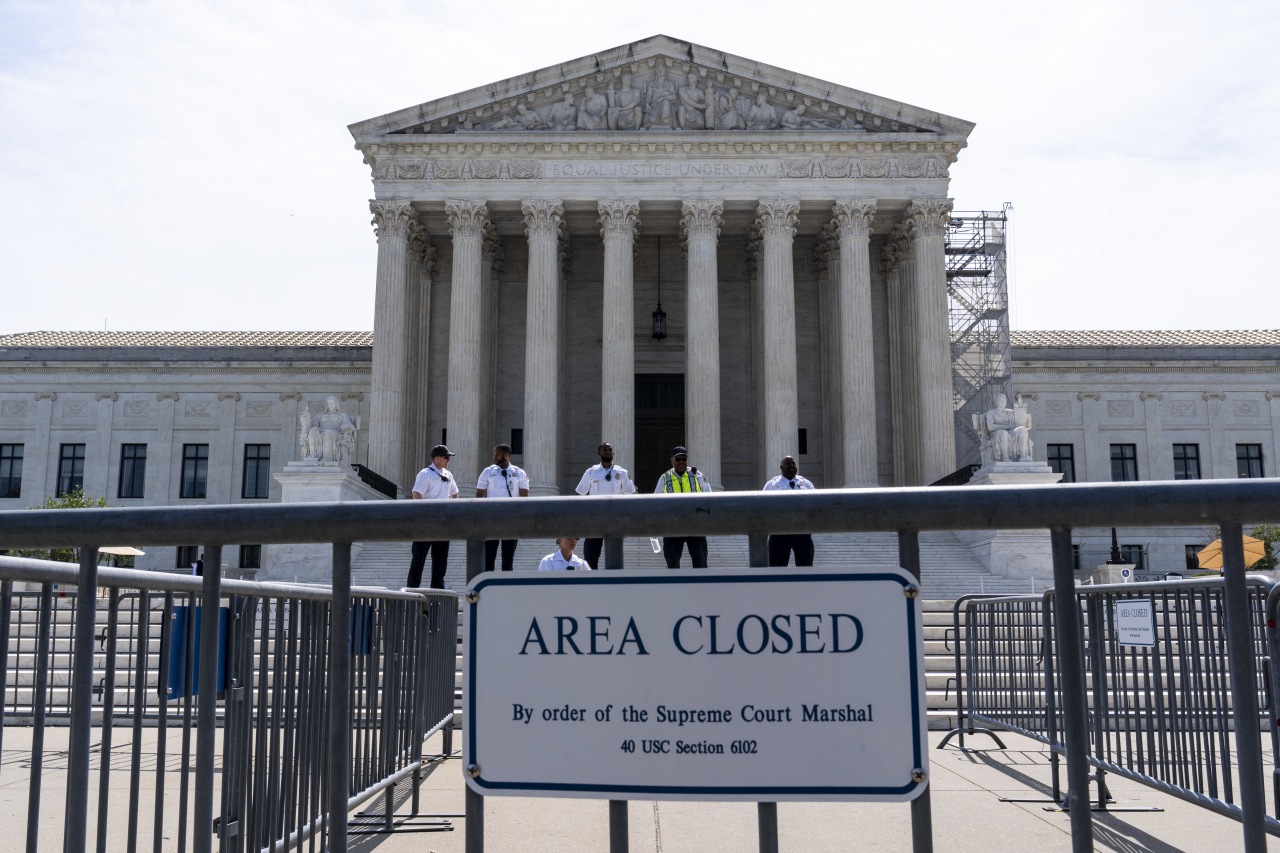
[1270, 536]
[75, 500]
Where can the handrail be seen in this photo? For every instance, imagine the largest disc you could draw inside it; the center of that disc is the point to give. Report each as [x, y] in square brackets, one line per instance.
[1159, 504]
[49, 571]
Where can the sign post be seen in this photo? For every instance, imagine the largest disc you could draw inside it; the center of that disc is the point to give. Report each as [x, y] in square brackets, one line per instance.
[744, 685]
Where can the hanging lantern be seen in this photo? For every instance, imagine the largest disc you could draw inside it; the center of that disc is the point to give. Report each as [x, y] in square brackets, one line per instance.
[659, 322]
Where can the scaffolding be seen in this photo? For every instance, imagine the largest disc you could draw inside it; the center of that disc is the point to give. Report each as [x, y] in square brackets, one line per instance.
[978, 308]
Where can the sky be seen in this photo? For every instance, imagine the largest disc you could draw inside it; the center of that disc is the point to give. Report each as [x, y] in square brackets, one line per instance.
[186, 165]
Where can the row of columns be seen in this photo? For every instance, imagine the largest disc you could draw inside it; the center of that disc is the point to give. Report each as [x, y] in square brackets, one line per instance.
[920, 359]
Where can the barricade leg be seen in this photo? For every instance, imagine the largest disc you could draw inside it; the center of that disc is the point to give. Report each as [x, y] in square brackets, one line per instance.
[475, 802]
[619, 832]
[1244, 694]
[207, 700]
[75, 823]
[921, 808]
[1074, 719]
[767, 819]
[339, 734]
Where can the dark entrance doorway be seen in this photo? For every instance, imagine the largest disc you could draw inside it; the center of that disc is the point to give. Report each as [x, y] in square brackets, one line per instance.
[659, 425]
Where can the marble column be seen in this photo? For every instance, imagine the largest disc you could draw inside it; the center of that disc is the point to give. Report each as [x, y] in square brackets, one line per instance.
[618, 221]
[36, 465]
[1159, 454]
[1273, 398]
[929, 219]
[392, 221]
[491, 258]
[826, 256]
[161, 482]
[97, 479]
[418, 333]
[542, 221]
[1096, 465]
[423, 440]
[1222, 455]
[468, 222]
[700, 226]
[857, 392]
[902, 423]
[777, 220]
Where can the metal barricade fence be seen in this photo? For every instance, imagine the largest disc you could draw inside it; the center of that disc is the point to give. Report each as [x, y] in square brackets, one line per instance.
[271, 667]
[1160, 713]
[1059, 508]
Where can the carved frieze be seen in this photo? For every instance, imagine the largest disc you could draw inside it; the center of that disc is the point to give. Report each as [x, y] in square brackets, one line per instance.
[791, 168]
[662, 95]
[1182, 408]
[1057, 408]
[1120, 408]
[75, 408]
[1247, 408]
[197, 410]
[258, 408]
[13, 408]
[136, 408]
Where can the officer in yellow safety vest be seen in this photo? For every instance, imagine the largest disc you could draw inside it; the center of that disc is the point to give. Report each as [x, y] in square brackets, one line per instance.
[680, 480]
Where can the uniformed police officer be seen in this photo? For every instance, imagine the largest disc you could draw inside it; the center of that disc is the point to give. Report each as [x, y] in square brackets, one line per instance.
[683, 480]
[603, 479]
[781, 546]
[501, 480]
[433, 483]
[562, 558]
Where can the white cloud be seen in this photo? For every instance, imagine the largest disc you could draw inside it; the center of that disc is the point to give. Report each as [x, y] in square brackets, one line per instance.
[187, 165]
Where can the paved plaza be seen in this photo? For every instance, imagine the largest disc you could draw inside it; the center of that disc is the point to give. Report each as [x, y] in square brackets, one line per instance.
[967, 813]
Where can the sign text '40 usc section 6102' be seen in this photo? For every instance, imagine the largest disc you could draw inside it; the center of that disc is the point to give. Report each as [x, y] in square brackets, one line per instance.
[744, 684]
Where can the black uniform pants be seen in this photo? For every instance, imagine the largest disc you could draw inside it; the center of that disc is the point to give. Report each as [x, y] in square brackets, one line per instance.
[673, 549]
[439, 562]
[591, 552]
[491, 553]
[780, 548]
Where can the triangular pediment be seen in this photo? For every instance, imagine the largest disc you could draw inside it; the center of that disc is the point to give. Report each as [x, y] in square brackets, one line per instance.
[662, 84]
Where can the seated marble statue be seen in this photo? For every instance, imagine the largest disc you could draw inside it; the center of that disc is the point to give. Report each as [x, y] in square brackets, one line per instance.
[691, 115]
[626, 106]
[1005, 432]
[563, 115]
[762, 116]
[594, 112]
[659, 100]
[330, 437]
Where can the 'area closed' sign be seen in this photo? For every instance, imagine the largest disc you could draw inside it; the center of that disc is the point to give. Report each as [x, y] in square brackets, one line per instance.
[718, 685]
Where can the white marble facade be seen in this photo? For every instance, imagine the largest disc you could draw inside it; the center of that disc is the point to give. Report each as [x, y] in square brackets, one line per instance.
[543, 207]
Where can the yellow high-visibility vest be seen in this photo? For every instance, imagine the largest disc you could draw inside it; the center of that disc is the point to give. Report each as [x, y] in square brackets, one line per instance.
[686, 482]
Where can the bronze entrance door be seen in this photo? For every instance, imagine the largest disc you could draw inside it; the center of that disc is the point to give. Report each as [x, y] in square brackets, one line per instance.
[659, 425]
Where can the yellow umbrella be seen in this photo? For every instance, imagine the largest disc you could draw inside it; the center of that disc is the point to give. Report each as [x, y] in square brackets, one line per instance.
[1211, 556]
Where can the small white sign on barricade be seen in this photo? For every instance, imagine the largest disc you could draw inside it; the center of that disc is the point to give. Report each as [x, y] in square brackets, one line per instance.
[751, 685]
[1135, 620]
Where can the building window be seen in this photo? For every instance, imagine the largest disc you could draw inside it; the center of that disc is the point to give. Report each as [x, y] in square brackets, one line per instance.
[10, 470]
[444, 436]
[133, 470]
[1062, 459]
[70, 469]
[1193, 556]
[1248, 461]
[804, 442]
[1186, 462]
[1134, 555]
[1075, 549]
[187, 556]
[250, 556]
[1124, 463]
[257, 471]
[195, 470]
[517, 442]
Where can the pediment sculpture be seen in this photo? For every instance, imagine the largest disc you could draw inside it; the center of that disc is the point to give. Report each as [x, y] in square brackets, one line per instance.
[1005, 433]
[329, 437]
[659, 102]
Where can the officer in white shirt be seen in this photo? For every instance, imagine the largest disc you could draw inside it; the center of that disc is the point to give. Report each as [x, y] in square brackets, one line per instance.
[563, 558]
[501, 480]
[681, 480]
[781, 546]
[603, 479]
[433, 483]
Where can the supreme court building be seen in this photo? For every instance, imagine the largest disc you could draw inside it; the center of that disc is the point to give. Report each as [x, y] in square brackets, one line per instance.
[655, 245]
[792, 229]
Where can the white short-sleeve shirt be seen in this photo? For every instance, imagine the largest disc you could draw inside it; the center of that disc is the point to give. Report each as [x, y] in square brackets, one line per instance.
[781, 483]
[555, 562]
[497, 486]
[599, 480]
[432, 483]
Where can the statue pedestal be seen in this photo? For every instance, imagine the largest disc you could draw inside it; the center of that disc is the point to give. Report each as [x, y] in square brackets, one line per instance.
[1012, 553]
[313, 482]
